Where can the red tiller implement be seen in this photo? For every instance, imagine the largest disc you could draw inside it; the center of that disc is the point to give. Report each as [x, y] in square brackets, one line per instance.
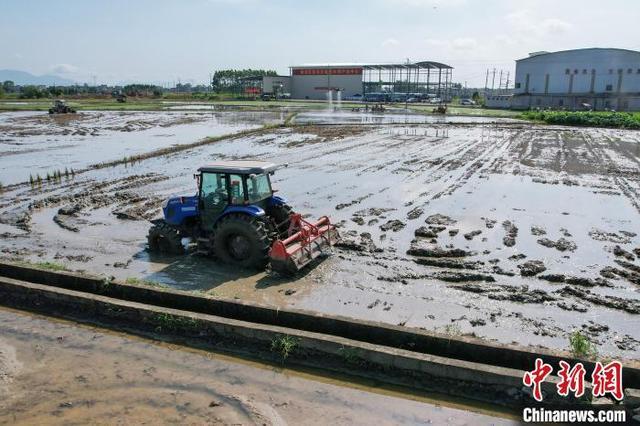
[305, 242]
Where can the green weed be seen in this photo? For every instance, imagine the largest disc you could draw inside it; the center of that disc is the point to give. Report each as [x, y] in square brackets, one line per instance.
[51, 266]
[284, 345]
[142, 282]
[581, 346]
[452, 330]
[351, 356]
[168, 322]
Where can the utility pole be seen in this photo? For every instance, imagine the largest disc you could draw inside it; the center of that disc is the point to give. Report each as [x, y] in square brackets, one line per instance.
[486, 82]
[507, 85]
[493, 80]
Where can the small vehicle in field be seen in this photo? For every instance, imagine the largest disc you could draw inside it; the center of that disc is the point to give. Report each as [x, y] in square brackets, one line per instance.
[236, 217]
[467, 102]
[440, 109]
[61, 107]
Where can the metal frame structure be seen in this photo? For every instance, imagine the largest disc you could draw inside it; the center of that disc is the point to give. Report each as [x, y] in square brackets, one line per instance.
[425, 77]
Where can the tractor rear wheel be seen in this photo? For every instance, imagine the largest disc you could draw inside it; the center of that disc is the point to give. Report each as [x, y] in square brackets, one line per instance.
[164, 238]
[281, 215]
[242, 240]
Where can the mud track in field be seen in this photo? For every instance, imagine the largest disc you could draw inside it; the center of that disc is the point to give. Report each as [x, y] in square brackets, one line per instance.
[509, 231]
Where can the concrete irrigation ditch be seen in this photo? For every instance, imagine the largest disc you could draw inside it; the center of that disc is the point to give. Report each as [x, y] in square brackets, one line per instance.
[423, 360]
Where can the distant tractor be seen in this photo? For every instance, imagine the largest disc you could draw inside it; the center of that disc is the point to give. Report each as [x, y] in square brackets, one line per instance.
[440, 109]
[61, 107]
[121, 98]
[236, 217]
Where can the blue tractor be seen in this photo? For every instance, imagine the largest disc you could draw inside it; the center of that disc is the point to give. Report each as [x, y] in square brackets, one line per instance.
[236, 217]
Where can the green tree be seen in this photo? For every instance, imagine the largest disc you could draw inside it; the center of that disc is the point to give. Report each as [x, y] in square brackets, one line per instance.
[33, 92]
[141, 90]
[476, 97]
[9, 86]
[55, 91]
[231, 80]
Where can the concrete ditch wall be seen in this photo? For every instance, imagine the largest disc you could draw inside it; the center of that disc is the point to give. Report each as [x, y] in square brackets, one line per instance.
[416, 341]
[391, 365]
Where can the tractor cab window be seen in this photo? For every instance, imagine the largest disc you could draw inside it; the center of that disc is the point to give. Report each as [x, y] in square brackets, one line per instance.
[236, 189]
[214, 193]
[258, 187]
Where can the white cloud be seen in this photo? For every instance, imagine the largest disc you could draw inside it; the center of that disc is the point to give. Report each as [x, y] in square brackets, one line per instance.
[435, 42]
[460, 43]
[504, 39]
[524, 21]
[228, 1]
[434, 4]
[390, 42]
[464, 43]
[519, 18]
[64, 69]
[555, 26]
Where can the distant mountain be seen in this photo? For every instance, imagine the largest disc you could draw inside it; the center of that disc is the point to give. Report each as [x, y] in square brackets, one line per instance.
[24, 78]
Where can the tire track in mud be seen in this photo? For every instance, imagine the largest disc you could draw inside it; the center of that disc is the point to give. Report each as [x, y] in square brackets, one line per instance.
[610, 168]
[88, 195]
[491, 153]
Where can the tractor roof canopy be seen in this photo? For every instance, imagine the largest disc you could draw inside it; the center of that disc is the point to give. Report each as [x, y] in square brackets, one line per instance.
[239, 167]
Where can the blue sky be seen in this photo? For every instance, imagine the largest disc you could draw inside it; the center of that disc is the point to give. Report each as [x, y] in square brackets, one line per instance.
[163, 41]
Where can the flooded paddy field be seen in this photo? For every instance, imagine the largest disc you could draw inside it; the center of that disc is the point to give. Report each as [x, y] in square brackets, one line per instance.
[392, 116]
[505, 230]
[34, 143]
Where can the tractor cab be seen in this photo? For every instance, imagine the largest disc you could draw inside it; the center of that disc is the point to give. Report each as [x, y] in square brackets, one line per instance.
[236, 184]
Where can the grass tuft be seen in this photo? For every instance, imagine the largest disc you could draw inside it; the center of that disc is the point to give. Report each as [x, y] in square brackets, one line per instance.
[581, 346]
[284, 345]
[142, 282]
[50, 266]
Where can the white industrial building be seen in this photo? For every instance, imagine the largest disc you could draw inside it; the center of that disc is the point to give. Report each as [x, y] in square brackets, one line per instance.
[594, 78]
[357, 80]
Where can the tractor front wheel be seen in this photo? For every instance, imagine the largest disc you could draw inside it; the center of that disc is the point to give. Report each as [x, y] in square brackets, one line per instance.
[164, 238]
[242, 240]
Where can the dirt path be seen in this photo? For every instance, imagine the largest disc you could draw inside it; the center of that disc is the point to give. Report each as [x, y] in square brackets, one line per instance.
[61, 373]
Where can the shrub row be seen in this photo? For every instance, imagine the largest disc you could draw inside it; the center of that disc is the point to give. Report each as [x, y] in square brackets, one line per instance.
[623, 120]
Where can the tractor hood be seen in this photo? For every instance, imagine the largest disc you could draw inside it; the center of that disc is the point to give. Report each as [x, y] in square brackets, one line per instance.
[177, 209]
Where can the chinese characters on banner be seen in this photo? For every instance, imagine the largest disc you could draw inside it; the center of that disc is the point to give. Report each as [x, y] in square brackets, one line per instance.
[605, 379]
[327, 71]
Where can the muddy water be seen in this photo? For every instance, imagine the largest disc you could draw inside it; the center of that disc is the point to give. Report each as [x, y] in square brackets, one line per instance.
[511, 193]
[60, 373]
[393, 116]
[37, 143]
